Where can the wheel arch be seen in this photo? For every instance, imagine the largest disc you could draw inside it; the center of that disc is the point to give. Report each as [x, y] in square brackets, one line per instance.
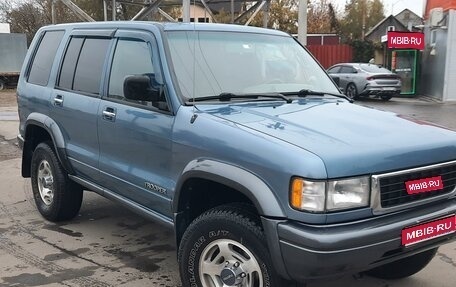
[236, 178]
[242, 185]
[40, 128]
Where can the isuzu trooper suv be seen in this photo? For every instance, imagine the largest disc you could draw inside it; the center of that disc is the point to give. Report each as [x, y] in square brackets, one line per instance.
[237, 139]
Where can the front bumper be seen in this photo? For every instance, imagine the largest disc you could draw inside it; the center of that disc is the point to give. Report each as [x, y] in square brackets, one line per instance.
[315, 252]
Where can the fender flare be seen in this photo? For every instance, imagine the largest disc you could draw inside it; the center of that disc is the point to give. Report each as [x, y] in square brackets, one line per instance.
[248, 184]
[235, 177]
[54, 131]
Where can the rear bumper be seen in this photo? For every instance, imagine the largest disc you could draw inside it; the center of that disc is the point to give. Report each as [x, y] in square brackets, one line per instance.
[381, 91]
[315, 252]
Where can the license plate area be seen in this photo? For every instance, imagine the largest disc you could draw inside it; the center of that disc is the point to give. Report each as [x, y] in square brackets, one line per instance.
[427, 231]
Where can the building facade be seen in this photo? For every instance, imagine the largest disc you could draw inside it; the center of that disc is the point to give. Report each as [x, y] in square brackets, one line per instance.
[438, 69]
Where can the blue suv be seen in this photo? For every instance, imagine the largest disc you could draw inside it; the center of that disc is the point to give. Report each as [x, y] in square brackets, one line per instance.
[237, 139]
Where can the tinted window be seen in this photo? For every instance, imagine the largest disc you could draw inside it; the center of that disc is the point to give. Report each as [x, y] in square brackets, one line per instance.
[90, 65]
[347, 70]
[334, 70]
[69, 63]
[44, 58]
[130, 58]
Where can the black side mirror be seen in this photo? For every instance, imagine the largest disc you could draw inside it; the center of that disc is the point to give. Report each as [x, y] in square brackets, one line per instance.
[141, 88]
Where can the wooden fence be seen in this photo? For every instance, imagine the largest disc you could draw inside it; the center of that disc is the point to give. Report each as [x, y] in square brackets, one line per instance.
[329, 55]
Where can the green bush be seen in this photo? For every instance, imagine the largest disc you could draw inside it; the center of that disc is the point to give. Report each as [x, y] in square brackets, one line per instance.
[363, 51]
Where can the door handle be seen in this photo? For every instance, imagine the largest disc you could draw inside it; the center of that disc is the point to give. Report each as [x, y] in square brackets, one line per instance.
[109, 114]
[58, 100]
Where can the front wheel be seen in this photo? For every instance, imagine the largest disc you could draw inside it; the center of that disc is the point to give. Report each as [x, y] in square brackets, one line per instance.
[405, 267]
[226, 247]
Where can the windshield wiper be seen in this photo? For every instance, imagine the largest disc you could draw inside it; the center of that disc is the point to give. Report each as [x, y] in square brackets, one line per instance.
[307, 92]
[224, 97]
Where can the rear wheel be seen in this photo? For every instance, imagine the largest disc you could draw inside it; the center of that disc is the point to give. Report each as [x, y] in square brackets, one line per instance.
[351, 91]
[226, 247]
[56, 196]
[405, 267]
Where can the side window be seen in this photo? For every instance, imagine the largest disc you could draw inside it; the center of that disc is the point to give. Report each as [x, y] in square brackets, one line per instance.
[131, 57]
[346, 70]
[87, 76]
[44, 58]
[334, 70]
[69, 63]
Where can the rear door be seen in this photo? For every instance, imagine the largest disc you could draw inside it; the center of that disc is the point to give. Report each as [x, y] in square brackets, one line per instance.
[135, 136]
[76, 98]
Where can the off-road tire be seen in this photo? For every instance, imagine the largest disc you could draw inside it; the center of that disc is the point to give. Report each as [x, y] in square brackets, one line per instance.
[227, 222]
[67, 195]
[405, 267]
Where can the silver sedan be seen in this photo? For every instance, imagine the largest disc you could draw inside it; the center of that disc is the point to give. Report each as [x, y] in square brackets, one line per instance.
[366, 80]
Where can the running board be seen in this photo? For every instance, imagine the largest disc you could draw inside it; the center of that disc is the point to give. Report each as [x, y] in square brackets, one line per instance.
[148, 213]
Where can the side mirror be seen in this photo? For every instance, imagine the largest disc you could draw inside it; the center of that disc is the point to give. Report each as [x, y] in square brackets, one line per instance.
[141, 88]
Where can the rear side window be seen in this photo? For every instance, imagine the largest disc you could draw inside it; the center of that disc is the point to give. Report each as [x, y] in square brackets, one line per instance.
[347, 70]
[87, 76]
[44, 58]
[69, 63]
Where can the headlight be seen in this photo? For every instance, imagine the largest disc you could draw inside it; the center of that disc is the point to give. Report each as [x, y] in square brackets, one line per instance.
[320, 196]
[348, 193]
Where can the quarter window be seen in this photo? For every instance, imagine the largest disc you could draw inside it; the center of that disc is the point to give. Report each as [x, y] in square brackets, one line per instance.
[44, 58]
[130, 58]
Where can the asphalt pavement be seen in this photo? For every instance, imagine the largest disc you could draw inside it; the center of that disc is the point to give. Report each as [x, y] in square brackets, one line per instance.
[107, 245]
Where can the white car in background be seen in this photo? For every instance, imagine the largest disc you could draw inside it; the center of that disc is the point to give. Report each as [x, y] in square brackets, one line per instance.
[359, 80]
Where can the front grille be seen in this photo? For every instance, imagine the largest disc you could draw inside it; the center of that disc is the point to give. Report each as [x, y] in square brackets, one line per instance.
[394, 193]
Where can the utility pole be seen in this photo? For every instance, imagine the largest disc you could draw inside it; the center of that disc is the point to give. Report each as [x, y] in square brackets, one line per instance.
[363, 11]
[302, 22]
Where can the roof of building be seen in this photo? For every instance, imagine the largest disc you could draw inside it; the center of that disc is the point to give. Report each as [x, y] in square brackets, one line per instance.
[380, 24]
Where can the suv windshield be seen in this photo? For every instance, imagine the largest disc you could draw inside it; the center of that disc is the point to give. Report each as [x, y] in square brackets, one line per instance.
[233, 62]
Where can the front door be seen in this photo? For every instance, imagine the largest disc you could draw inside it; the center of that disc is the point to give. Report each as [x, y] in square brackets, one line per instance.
[135, 136]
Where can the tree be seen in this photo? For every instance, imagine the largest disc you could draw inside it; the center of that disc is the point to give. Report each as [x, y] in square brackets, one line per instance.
[283, 15]
[352, 22]
[25, 17]
[318, 17]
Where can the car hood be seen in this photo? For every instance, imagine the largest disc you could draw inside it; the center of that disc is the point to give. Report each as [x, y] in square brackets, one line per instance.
[350, 139]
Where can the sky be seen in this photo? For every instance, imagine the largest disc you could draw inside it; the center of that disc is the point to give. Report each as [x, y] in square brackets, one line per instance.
[417, 6]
